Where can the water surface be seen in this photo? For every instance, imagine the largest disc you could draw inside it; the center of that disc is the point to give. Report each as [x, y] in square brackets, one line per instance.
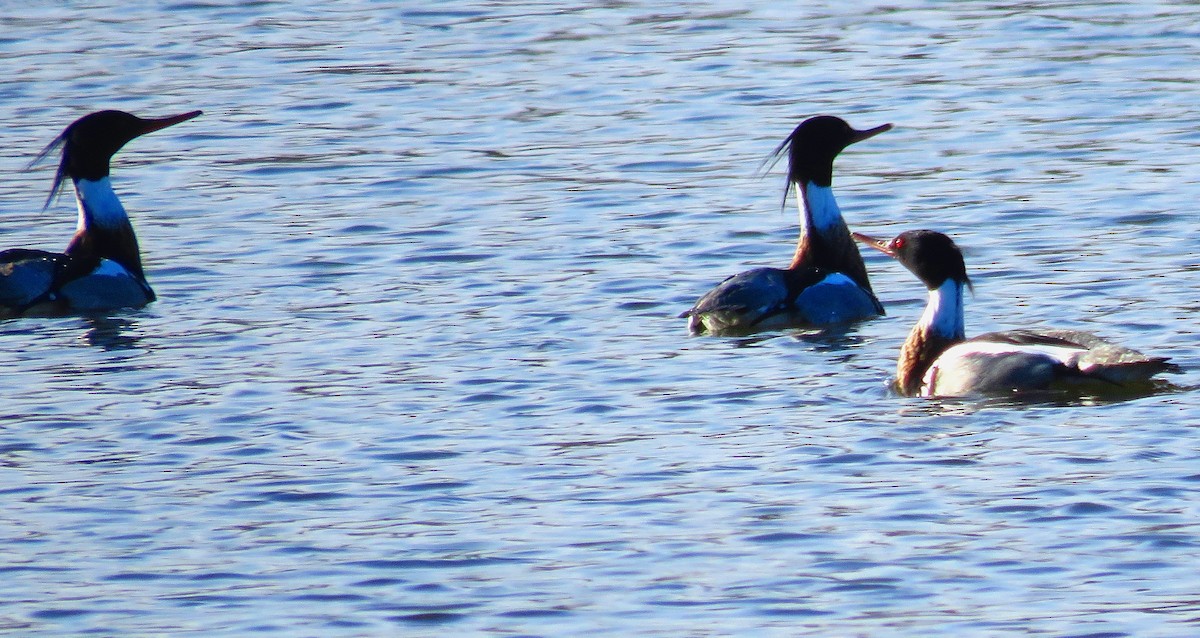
[415, 367]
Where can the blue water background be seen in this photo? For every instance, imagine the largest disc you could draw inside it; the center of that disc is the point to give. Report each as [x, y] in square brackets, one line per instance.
[415, 367]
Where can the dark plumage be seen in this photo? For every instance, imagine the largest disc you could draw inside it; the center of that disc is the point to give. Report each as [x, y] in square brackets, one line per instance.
[101, 267]
[827, 282]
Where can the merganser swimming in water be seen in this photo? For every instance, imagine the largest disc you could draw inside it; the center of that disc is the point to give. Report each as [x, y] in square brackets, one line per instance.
[937, 359]
[826, 282]
[101, 269]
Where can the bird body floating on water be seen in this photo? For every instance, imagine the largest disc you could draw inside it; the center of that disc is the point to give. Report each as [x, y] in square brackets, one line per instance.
[937, 360]
[826, 283]
[101, 268]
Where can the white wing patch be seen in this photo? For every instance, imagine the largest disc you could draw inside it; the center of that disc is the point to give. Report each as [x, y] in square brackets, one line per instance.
[835, 299]
[110, 268]
[957, 360]
[1066, 355]
[836, 279]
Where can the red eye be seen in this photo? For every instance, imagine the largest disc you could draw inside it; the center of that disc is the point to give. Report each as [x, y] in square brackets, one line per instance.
[898, 243]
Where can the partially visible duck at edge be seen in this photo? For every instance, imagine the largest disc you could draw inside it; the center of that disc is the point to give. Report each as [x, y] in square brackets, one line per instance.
[937, 360]
[826, 282]
[101, 268]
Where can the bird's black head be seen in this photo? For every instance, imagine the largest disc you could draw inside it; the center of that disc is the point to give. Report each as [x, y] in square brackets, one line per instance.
[90, 142]
[930, 255]
[813, 145]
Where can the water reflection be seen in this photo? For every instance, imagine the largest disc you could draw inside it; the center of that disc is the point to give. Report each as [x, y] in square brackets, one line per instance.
[111, 333]
[826, 339]
[831, 338]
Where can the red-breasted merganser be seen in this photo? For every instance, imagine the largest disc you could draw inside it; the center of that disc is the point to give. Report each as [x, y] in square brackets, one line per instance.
[826, 282]
[101, 269]
[937, 360]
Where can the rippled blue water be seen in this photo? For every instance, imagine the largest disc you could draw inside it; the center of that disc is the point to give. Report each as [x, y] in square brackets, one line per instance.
[415, 367]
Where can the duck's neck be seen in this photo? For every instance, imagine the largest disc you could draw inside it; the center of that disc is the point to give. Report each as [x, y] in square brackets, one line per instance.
[940, 327]
[103, 231]
[825, 241]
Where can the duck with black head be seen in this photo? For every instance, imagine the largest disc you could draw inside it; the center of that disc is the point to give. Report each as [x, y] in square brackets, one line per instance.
[827, 282]
[101, 268]
[937, 360]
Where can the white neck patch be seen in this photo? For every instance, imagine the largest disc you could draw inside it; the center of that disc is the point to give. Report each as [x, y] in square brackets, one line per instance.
[944, 312]
[98, 204]
[821, 206]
